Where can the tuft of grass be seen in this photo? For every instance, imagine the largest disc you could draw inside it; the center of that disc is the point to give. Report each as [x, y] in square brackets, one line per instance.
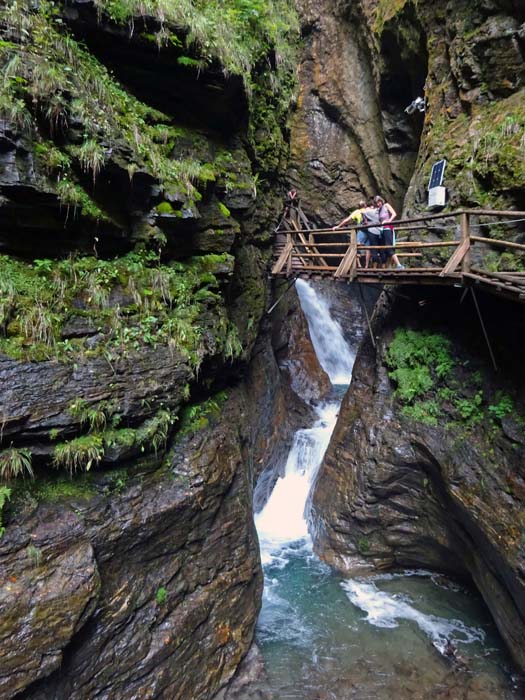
[95, 416]
[155, 432]
[15, 463]
[79, 454]
[238, 33]
[168, 303]
[91, 156]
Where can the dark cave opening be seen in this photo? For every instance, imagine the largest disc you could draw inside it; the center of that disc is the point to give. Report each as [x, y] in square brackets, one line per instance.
[404, 59]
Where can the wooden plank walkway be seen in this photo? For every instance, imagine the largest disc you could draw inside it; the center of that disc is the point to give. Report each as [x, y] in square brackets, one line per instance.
[307, 252]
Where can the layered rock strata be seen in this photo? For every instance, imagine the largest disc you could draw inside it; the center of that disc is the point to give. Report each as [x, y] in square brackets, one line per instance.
[147, 581]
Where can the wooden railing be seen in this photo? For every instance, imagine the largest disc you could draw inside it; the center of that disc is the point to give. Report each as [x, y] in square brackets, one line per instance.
[336, 253]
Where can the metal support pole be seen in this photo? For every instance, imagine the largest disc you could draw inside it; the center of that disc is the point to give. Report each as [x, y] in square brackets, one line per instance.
[366, 314]
[272, 307]
[484, 329]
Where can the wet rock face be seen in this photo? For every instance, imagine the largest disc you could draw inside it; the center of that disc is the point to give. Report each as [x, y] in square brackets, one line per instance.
[53, 602]
[134, 595]
[338, 152]
[395, 492]
[38, 396]
[250, 682]
[475, 85]
[141, 581]
[147, 583]
[365, 62]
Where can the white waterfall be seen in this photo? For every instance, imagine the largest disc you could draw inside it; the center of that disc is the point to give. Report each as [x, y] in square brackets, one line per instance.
[283, 520]
[331, 348]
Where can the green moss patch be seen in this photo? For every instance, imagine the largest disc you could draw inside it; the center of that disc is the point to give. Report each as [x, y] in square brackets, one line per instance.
[198, 416]
[435, 387]
[131, 301]
[484, 150]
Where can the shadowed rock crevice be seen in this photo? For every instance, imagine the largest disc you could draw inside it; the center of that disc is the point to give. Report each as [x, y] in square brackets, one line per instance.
[158, 77]
[403, 65]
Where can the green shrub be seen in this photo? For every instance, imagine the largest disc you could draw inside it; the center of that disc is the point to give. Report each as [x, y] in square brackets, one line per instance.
[161, 596]
[470, 409]
[417, 360]
[423, 411]
[504, 407]
[412, 382]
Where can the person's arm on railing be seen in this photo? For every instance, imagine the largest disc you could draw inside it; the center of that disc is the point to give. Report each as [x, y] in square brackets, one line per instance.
[342, 223]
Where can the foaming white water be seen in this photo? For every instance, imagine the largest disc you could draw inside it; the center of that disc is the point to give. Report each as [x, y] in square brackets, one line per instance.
[386, 610]
[283, 519]
[331, 348]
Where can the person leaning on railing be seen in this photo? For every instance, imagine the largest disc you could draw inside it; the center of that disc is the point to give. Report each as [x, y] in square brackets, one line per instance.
[356, 217]
[386, 215]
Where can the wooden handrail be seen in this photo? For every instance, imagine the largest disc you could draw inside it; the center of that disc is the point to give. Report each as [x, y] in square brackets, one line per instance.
[497, 241]
[494, 212]
[399, 244]
[428, 217]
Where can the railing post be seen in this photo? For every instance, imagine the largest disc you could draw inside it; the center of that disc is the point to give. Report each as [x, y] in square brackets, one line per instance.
[353, 253]
[465, 238]
[289, 241]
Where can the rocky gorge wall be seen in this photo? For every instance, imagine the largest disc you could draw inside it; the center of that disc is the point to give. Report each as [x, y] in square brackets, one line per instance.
[425, 468]
[135, 241]
[146, 581]
[365, 62]
[140, 158]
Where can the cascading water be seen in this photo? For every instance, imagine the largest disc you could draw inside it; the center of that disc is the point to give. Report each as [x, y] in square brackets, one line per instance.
[331, 348]
[374, 639]
[284, 520]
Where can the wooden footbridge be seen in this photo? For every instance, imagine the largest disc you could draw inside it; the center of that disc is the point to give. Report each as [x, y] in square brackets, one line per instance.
[464, 248]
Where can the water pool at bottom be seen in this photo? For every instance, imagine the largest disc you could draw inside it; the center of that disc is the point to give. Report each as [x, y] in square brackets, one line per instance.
[327, 638]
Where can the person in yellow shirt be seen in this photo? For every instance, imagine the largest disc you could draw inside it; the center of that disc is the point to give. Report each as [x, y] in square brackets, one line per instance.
[356, 217]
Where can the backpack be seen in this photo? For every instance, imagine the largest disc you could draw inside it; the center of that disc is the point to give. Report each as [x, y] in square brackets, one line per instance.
[372, 217]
